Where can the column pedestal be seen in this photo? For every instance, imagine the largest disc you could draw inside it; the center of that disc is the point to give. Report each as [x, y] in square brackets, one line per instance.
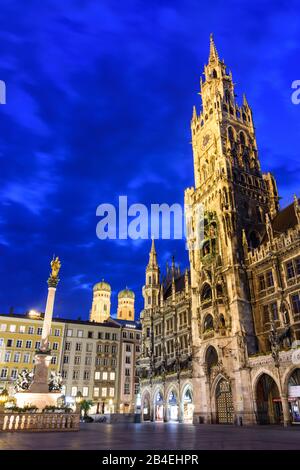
[40, 379]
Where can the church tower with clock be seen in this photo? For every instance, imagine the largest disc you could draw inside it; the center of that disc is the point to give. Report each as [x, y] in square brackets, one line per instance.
[218, 341]
[236, 199]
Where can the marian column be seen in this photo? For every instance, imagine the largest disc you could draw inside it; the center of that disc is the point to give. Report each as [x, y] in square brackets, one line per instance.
[43, 355]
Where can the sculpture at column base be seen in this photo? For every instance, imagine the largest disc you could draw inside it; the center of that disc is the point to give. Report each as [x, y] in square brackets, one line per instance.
[40, 378]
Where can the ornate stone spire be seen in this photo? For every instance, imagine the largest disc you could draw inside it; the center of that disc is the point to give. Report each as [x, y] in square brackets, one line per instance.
[152, 255]
[213, 53]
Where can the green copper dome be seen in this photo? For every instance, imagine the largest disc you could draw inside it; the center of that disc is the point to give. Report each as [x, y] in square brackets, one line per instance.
[126, 293]
[102, 286]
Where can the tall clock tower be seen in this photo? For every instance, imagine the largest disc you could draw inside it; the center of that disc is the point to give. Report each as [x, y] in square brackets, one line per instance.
[235, 197]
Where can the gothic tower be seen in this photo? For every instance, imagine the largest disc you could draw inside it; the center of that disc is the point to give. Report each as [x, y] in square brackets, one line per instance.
[151, 294]
[235, 197]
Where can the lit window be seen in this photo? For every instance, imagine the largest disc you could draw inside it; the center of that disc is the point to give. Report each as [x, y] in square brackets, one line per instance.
[290, 270]
[111, 392]
[79, 333]
[3, 374]
[104, 391]
[104, 376]
[270, 280]
[77, 360]
[12, 328]
[14, 374]
[85, 391]
[112, 376]
[74, 391]
[96, 392]
[69, 333]
[22, 329]
[296, 303]
[26, 358]
[3, 327]
[97, 375]
[7, 357]
[17, 357]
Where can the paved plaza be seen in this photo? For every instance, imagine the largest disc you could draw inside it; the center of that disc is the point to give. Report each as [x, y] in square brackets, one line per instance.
[158, 437]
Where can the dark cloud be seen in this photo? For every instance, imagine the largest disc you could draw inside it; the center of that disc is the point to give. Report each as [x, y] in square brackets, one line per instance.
[99, 99]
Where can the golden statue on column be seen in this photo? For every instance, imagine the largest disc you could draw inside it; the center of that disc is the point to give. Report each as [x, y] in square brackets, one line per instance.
[38, 392]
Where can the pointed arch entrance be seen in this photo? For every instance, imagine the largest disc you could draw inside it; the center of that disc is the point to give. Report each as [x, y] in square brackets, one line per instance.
[146, 411]
[224, 402]
[159, 407]
[294, 395]
[187, 405]
[172, 406]
[269, 408]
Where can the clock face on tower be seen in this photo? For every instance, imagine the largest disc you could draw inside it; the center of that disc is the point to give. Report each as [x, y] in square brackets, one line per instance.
[206, 139]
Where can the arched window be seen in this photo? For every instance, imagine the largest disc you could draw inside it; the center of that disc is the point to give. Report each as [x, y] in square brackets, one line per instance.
[242, 139]
[206, 248]
[222, 321]
[258, 214]
[214, 74]
[206, 293]
[211, 358]
[227, 96]
[254, 240]
[208, 323]
[219, 290]
[230, 134]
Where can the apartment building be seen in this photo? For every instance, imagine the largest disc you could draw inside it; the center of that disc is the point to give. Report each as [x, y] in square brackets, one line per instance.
[20, 337]
[96, 359]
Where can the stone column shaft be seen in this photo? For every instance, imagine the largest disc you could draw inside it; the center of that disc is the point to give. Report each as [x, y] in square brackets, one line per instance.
[48, 318]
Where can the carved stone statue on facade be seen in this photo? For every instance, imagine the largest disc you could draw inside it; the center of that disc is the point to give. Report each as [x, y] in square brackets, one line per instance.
[275, 344]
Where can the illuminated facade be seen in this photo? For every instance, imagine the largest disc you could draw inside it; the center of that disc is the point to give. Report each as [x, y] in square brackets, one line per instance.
[243, 301]
[96, 359]
[20, 337]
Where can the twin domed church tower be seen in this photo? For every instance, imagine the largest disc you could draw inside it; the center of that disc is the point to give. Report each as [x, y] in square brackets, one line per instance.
[100, 311]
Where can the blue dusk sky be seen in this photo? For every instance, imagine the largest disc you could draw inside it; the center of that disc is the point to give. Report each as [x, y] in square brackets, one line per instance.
[99, 102]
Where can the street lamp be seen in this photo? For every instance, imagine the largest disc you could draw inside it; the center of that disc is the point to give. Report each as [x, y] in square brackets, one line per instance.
[3, 399]
[78, 400]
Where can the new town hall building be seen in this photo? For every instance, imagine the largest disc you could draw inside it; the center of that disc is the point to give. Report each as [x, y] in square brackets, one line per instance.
[219, 342]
